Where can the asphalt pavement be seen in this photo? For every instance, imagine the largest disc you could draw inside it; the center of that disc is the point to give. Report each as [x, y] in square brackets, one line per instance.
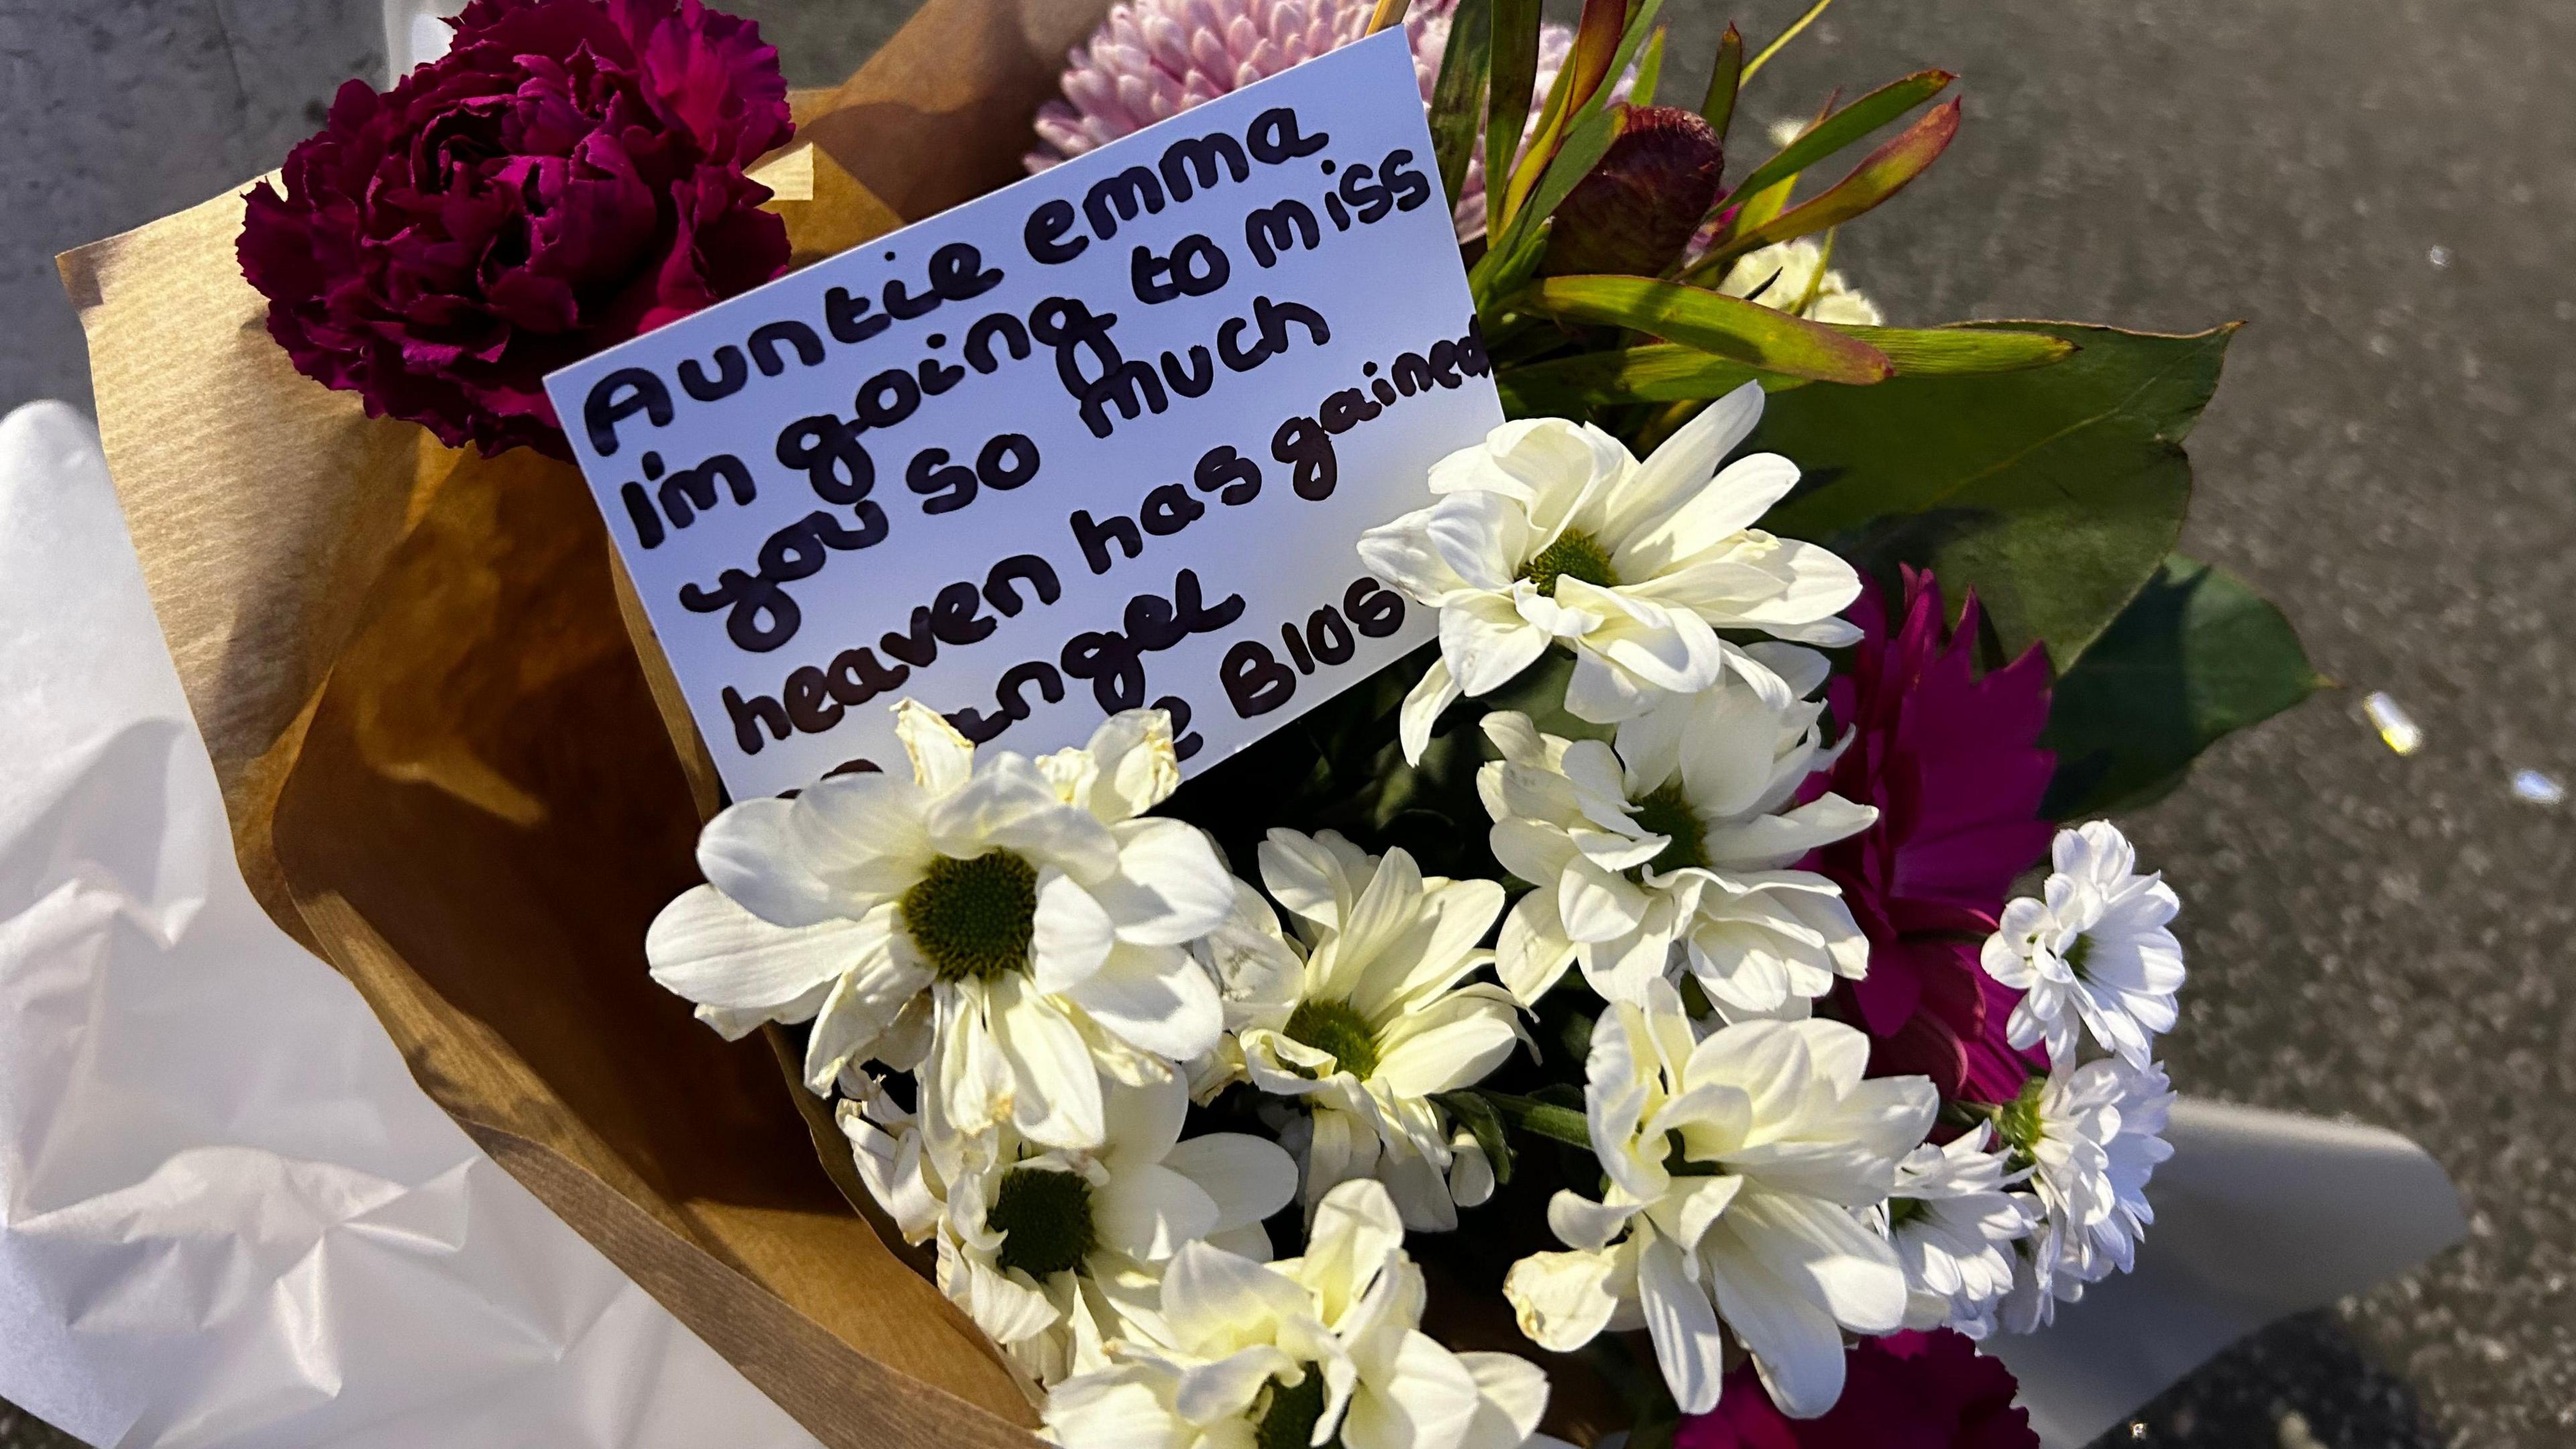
[2382, 191]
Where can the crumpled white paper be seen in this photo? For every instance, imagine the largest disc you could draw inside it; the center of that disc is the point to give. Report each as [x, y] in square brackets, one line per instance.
[227, 1215]
[229, 1218]
[2258, 1215]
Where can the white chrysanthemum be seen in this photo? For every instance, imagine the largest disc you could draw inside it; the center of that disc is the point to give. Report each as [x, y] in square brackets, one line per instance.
[1671, 848]
[1378, 1018]
[2093, 1135]
[1323, 1349]
[1057, 1253]
[1954, 1223]
[999, 926]
[1550, 532]
[1784, 275]
[1740, 1169]
[2093, 949]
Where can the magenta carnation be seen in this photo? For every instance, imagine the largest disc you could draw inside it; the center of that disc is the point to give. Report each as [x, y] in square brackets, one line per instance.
[568, 175]
[1908, 1391]
[1952, 762]
[1153, 59]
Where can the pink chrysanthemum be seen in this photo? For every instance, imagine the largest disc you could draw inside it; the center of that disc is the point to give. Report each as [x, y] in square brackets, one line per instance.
[1906, 1391]
[1953, 764]
[1153, 59]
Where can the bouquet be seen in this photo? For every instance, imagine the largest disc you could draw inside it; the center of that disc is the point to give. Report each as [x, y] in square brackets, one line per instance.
[1697, 998]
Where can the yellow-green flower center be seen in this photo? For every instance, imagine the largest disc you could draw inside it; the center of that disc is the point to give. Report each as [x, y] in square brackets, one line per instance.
[1047, 1217]
[1287, 1421]
[1903, 1210]
[1667, 812]
[1574, 555]
[974, 918]
[2017, 1123]
[1332, 1026]
[2076, 955]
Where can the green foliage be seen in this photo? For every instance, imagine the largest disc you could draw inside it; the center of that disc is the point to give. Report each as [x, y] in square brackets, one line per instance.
[1887, 171]
[1537, 1118]
[1671, 372]
[1844, 127]
[1718, 108]
[1741, 331]
[1507, 98]
[1481, 1119]
[2056, 493]
[1458, 100]
[1650, 72]
[2196, 656]
[1511, 259]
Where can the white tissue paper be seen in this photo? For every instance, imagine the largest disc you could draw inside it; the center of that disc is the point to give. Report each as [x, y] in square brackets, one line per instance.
[229, 1218]
[227, 1215]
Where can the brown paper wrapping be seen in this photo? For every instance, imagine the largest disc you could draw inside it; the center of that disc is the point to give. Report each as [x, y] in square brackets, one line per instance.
[456, 767]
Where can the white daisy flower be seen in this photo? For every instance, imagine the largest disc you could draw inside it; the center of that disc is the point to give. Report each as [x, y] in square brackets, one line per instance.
[1672, 847]
[1379, 1018]
[2093, 949]
[1550, 532]
[1740, 1168]
[1056, 1254]
[2093, 1136]
[1954, 1225]
[1000, 926]
[1784, 274]
[1323, 1349]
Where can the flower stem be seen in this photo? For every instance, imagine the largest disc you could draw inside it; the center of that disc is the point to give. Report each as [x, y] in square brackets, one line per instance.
[1768, 51]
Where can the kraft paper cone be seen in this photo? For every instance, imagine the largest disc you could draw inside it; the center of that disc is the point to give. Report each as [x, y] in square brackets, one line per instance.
[448, 770]
[481, 821]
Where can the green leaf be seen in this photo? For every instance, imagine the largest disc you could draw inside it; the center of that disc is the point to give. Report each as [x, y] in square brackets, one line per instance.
[1781, 41]
[1746, 332]
[2195, 656]
[1481, 1118]
[1509, 262]
[1671, 372]
[1844, 127]
[1507, 99]
[1459, 96]
[1584, 146]
[1886, 172]
[1540, 1119]
[1657, 372]
[1955, 351]
[1718, 109]
[1586, 105]
[1650, 72]
[2055, 492]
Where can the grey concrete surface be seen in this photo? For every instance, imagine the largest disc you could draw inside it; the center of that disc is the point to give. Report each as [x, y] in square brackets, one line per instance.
[2382, 190]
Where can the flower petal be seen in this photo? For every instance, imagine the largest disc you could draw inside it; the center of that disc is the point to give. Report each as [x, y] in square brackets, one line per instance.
[1486, 642]
[708, 948]
[942, 759]
[1683, 1325]
[1071, 936]
[1563, 1300]
[1147, 1211]
[749, 852]
[1170, 888]
[1434, 692]
[1154, 998]
[1248, 1177]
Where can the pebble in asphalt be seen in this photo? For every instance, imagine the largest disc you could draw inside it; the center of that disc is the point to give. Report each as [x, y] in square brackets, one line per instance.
[2382, 192]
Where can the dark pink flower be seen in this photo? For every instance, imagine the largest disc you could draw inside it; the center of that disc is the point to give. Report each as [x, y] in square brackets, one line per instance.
[1908, 1391]
[568, 175]
[1636, 210]
[1952, 762]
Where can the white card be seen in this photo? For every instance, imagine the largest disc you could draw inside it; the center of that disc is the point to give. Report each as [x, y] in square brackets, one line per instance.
[911, 470]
